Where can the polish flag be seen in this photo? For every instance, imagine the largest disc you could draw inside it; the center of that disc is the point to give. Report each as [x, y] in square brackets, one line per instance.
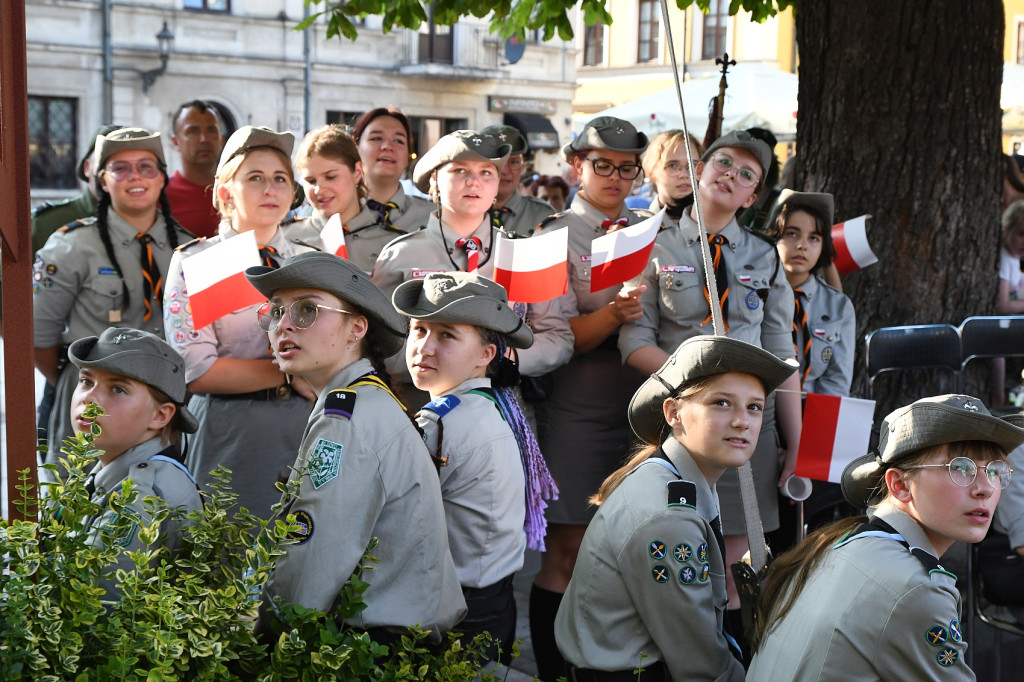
[835, 432]
[215, 279]
[333, 236]
[621, 255]
[535, 269]
[853, 252]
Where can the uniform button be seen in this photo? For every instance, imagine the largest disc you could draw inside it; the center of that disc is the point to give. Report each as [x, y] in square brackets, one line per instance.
[143, 465]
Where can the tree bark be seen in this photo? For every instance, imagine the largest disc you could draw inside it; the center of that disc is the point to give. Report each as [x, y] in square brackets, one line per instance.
[900, 119]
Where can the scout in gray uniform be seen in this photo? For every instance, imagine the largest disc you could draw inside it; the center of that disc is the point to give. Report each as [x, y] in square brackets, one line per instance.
[518, 213]
[648, 589]
[666, 165]
[384, 135]
[329, 163]
[365, 470]
[250, 415]
[893, 613]
[106, 270]
[493, 478]
[139, 381]
[588, 435]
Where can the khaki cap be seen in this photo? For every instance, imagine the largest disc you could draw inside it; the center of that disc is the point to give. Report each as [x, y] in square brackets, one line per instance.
[102, 130]
[141, 356]
[743, 140]
[696, 358]
[327, 272]
[121, 140]
[459, 297]
[607, 132]
[508, 135]
[462, 145]
[821, 201]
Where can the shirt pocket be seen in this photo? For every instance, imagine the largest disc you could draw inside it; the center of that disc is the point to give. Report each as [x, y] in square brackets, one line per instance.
[103, 293]
[682, 293]
[825, 340]
[752, 290]
[580, 269]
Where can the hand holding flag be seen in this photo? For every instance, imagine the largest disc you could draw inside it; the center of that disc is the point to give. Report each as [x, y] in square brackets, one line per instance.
[215, 279]
[621, 255]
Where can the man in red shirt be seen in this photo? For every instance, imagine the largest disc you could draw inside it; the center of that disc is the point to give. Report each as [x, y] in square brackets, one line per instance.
[198, 136]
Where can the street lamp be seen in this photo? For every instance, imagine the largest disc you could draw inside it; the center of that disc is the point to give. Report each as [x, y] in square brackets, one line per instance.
[164, 41]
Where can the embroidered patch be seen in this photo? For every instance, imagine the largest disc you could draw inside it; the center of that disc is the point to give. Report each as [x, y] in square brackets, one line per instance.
[682, 552]
[47, 282]
[657, 549]
[753, 300]
[174, 307]
[936, 635]
[325, 462]
[743, 278]
[660, 574]
[826, 353]
[586, 258]
[420, 274]
[682, 494]
[819, 332]
[38, 275]
[127, 532]
[51, 269]
[948, 656]
[687, 575]
[194, 335]
[678, 268]
[304, 521]
[340, 402]
[702, 552]
[704, 571]
[172, 294]
[954, 631]
[179, 337]
[104, 270]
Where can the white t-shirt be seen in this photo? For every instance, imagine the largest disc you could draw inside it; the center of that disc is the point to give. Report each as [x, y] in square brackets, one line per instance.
[1009, 269]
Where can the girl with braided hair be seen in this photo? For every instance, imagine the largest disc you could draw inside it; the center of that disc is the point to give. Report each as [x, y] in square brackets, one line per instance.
[494, 482]
[106, 270]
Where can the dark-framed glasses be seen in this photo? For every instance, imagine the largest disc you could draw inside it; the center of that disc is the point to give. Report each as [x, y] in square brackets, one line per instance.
[726, 164]
[963, 471]
[605, 168]
[303, 314]
[120, 170]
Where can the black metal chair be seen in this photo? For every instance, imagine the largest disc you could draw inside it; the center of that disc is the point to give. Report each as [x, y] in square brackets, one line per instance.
[920, 346]
[996, 336]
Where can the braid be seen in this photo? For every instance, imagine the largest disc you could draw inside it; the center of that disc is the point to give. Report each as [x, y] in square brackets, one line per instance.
[102, 209]
[169, 222]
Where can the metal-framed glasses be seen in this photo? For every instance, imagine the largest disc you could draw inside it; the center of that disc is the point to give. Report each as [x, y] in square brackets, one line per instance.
[605, 168]
[963, 471]
[120, 170]
[676, 168]
[726, 164]
[303, 314]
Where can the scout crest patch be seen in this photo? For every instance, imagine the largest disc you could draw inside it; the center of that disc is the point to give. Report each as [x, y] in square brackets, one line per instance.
[682, 552]
[120, 530]
[660, 574]
[948, 656]
[325, 463]
[657, 549]
[303, 530]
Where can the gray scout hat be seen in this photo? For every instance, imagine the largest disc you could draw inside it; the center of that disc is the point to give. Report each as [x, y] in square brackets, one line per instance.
[462, 145]
[926, 423]
[607, 132]
[250, 137]
[821, 201]
[696, 358]
[460, 297]
[121, 140]
[327, 272]
[508, 135]
[102, 130]
[139, 355]
[743, 140]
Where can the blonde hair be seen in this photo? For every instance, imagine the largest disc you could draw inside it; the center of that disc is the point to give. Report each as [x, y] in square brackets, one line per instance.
[660, 147]
[1013, 216]
[226, 172]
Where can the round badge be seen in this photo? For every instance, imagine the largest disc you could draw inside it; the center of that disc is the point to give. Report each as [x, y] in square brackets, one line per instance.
[179, 337]
[51, 269]
[704, 571]
[172, 294]
[660, 574]
[948, 656]
[304, 532]
[954, 631]
[682, 552]
[753, 300]
[687, 575]
[702, 552]
[47, 282]
[826, 354]
[174, 307]
[936, 635]
[194, 335]
[657, 549]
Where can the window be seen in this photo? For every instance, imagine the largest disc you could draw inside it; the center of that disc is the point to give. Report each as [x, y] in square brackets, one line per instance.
[715, 27]
[52, 142]
[593, 45]
[209, 5]
[435, 45]
[647, 31]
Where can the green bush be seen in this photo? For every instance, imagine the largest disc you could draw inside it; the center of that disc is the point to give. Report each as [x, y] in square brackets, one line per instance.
[190, 617]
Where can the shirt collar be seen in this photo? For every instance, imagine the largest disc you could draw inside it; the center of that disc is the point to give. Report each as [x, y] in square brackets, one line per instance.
[108, 475]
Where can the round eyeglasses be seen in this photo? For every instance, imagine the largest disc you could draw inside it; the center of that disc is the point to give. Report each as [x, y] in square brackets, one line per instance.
[302, 313]
[605, 168]
[120, 170]
[963, 471]
[725, 164]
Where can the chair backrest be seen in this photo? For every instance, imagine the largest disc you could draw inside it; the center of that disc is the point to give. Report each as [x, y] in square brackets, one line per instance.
[920, 346]
[992, 337]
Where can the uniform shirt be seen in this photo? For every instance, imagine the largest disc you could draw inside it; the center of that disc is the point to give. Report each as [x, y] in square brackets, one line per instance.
[49, 217]
[482, 484]
[369, 475]
[412, 212]
[1009, 517]
[832, 325]
[365, 236]
[674, 305]
[152, 478]
[192, 205]
[650, 579]
[887, 617]
[522, 213]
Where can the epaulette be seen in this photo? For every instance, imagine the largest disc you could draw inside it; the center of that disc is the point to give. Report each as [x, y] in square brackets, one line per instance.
[191, 243]
[644, 213]
[75, 224]
[43, 208]
[682, 494]
[550, 219]
[340, 402]
[443, 405]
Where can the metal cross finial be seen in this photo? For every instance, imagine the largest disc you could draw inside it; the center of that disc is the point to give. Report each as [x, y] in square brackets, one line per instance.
[725, 62]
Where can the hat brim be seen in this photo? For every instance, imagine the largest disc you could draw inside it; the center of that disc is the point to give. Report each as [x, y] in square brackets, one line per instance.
[478, 311]
[327, 272]
[861, 482]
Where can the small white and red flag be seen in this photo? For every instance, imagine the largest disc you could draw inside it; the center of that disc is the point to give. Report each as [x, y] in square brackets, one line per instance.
[836, 431]
[215, 279]
[621, 255]
[853, 252]
[333, 237]
[535, 269]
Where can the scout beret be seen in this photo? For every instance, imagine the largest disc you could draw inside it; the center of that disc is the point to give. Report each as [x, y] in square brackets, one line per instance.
[821, 201]
[460, 297]
[743, 140]
[926, 423]
[607, 132]
[696, 358]
[327, 272]
[139, 355]
[102, 130]
[508, 135]
[121, 140]
[462, 145]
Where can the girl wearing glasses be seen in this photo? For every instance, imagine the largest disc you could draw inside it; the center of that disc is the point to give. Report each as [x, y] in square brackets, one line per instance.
[250, 413]
[362, 471]
[587, 435]
[665, 163]
[893, 612]
[90, 274]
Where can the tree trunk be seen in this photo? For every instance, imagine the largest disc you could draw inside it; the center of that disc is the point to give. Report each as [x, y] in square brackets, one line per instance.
[900, 119]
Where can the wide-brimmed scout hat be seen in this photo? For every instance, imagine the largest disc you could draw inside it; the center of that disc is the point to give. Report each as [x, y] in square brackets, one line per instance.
[820, 201]
[696, 358]
[102, 130]
[743, 140]
[607, 132]
[924, 424]
[141, 356]
[123, 139]
[508, 135]
[459, 297]
[462, 145]
[327, 272]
